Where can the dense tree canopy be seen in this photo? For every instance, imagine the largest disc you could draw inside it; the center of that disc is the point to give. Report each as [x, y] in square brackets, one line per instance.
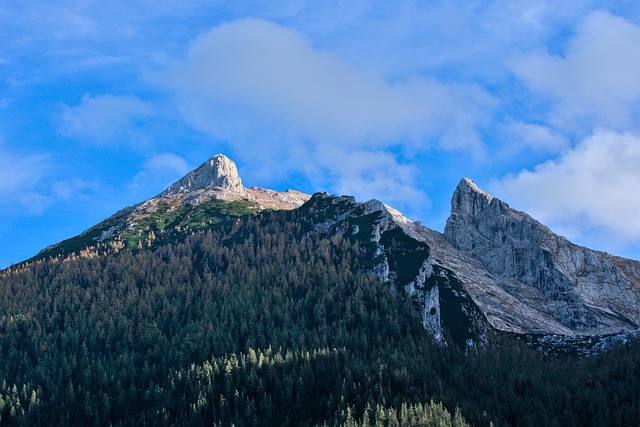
[259, 321]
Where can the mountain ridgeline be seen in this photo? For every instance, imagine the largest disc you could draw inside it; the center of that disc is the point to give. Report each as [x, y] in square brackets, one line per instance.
[213, 303]
[568, 288]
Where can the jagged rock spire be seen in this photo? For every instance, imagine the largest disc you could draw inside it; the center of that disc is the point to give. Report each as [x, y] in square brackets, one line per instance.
[582, 289]
[468, 198]
[473, 216]
[219, 171]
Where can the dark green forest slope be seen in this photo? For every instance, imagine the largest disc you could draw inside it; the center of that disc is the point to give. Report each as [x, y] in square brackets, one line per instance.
[258, 320]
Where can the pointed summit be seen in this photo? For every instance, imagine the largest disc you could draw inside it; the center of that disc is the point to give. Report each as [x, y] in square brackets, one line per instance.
[468, 198]
[217, 178]
[582, 290]
[219, 171]
[471, 208]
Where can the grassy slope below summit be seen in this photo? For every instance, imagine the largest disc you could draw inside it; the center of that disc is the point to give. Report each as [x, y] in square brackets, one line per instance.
[167, 223]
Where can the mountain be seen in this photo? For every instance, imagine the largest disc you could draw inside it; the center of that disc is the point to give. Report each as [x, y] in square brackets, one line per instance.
[204, 196]
[216, 304]
[506, 271]
[217, 179]
[494, 267]
[404, 261]
[560, 287]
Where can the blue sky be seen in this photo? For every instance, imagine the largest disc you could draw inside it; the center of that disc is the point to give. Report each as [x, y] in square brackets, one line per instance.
[104, 104]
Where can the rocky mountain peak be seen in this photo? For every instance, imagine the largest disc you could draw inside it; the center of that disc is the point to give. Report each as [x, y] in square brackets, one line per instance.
[217, 178]
[468, 198]
[476, 216]
[219, 171]
[582, 290]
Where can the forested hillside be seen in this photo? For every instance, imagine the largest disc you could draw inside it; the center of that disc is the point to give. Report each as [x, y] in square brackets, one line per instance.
[259, 320]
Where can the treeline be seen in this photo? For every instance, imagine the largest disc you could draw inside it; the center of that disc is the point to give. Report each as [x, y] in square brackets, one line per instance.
[258, 321]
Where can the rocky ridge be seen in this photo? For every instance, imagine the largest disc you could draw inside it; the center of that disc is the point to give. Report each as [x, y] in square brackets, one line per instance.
[215, 179]
[524, 278]
[402, 258]
[218, 178]
[575, 290]
[493, 267]
[219, 171]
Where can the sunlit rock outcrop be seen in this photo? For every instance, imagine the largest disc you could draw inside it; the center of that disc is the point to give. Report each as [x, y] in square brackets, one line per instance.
[585, 291]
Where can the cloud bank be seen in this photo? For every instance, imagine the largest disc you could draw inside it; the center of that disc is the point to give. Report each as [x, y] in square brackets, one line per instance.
[101, 119]
[278, 99]
[596, 81]
[592, 188]
[20, 179]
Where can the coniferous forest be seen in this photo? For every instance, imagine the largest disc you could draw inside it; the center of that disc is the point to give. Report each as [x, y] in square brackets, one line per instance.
[256, 320]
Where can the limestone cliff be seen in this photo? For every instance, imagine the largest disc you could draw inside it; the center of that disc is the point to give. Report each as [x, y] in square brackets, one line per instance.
[403, 259]
[219, 171]
[584, 291]
[218, 178]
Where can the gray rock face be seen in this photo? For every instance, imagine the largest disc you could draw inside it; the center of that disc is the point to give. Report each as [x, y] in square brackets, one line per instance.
[218, 171]
[217, 178]
[431, 314]
[401, 259]
[584, 291]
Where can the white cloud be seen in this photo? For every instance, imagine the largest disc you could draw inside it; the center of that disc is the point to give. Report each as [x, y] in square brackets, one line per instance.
[30, 182]
[536, 137]
[597, 79]
[21, 176]
[455, 38]
[370, 174]
[590, 192]
[101, 118]
[167, 162]
[19, 172]
[271, 73]
[286, 105]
